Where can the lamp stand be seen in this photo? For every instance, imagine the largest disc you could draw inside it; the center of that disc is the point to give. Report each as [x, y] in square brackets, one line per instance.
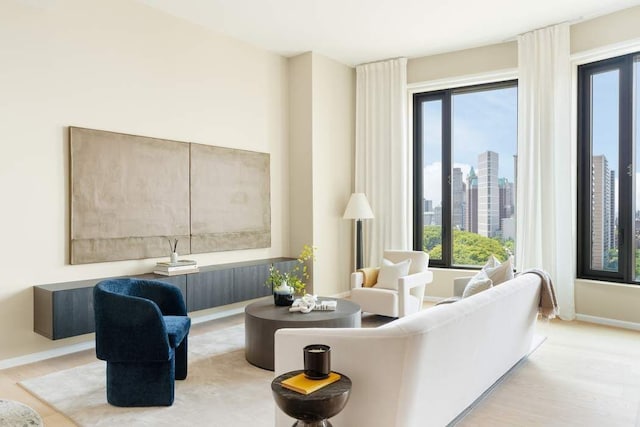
[358, 244]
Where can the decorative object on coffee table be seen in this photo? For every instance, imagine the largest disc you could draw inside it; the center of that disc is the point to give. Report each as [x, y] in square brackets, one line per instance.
[286, 285]
[283, 295]
[305, 304]
[16, 414]
[313, 409]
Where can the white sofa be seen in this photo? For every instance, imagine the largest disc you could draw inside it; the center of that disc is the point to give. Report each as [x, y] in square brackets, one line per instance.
[424, 369]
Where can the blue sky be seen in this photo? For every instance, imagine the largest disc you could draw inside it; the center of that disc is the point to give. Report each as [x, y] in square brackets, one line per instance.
[605, 116]
[484, 120]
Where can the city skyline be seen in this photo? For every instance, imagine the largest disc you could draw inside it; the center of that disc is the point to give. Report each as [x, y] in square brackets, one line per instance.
[480, 201]
[485, 120]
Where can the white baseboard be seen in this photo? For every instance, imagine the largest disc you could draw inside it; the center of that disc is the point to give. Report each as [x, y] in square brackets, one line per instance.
[608, 322]
[43, 355]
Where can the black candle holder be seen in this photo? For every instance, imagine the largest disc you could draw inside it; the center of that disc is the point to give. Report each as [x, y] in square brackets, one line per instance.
[317, 361]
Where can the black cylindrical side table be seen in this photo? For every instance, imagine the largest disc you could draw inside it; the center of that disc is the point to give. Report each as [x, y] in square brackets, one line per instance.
[315, 409]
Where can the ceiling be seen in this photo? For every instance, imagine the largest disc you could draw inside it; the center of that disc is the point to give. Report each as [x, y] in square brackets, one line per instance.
[359, 31]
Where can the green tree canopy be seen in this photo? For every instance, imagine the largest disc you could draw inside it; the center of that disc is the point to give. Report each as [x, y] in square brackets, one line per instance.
[468, 248]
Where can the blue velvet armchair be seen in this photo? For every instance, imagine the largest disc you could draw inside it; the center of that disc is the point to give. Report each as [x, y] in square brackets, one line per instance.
[141, 332]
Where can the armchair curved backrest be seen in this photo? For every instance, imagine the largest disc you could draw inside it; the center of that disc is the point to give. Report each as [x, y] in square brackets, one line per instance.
[419, 259]
[129, 319]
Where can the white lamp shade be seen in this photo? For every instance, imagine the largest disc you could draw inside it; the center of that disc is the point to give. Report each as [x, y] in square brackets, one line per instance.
[358, 207]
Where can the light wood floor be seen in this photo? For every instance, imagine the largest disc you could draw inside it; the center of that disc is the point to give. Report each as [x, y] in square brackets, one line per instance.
[583, 375]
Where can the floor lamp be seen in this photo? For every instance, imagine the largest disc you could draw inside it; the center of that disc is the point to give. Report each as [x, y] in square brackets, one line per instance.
[358, 208]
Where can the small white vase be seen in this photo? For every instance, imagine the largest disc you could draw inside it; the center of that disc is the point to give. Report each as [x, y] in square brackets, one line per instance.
[174, 257]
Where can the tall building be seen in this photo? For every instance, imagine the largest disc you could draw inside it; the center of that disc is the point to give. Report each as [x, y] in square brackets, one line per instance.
[427, 205]
[471, 217]
[488, 194]
[602, 223]
[427, 212]
[613, 241]
[437, 216]
[457, 199]
[507, 201]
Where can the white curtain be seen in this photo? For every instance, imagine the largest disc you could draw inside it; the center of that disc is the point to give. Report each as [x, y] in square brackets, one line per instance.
[382, 155]
[545, 215]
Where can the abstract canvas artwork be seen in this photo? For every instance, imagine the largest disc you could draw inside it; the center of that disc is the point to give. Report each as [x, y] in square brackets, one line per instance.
[230, 202]
[129, 194]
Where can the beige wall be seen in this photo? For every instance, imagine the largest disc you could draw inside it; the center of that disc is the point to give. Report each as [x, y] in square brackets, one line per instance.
[124, 67]
[608, 300]
[606, 30]
[301, 153]
[442, 285]
[322, 111]
[333, 154]
[466, 62]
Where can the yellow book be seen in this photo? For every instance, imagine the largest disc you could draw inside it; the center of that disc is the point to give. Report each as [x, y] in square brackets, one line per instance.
[304, 385]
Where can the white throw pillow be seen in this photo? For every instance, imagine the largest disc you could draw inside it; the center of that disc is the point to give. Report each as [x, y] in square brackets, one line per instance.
[390, 273]
[499, 273]
[493, 271]
[478, 283]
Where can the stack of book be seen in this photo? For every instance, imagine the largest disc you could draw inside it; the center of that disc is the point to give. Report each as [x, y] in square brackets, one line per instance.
[304, 385]
[182, 266]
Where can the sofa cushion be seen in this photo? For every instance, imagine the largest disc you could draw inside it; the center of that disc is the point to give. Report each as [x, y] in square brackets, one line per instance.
[496, 271]
[478, 283]
[500, 272]
[390, 273]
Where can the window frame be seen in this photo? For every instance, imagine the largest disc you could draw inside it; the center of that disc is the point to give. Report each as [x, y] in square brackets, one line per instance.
[626, 150]
[445, 96]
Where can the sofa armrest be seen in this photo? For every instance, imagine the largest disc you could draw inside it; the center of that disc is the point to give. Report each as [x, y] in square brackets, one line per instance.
[459, 283]
[413, 284]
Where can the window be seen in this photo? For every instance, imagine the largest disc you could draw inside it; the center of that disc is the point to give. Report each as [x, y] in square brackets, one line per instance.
[608, 170]
[465, 144]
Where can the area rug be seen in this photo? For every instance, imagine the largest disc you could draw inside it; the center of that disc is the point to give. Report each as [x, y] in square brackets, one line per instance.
[222, 389]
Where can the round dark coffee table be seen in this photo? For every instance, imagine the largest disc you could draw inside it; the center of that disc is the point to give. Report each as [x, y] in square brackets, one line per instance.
[315, 409]
[263, 318]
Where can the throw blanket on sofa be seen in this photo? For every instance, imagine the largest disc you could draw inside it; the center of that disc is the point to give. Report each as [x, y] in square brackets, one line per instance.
[548, 305]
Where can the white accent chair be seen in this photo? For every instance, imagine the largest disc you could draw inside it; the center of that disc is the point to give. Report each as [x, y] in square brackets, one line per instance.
[387, 302]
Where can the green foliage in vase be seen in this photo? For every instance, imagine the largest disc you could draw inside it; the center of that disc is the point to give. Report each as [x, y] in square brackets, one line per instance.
[295, 277]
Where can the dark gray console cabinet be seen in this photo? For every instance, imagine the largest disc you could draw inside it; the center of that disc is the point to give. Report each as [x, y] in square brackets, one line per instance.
[63, 310]
[218, 285]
